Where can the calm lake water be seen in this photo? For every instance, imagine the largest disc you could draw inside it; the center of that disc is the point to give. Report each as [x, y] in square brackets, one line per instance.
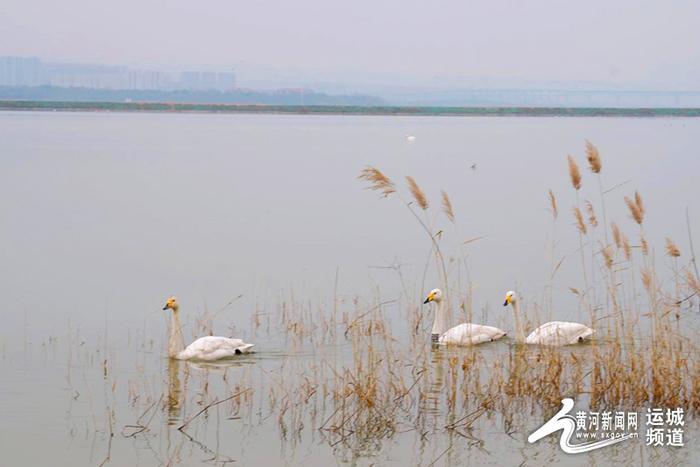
[104, 215]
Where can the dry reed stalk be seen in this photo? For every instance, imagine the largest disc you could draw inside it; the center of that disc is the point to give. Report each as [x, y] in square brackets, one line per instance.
[636, 369]
[692, 281]
[608, 256]
[644, 244]
[447, 207]
[593, 157]
[672, 249]
[574, 173]
[417, 193]
[553, 204]
[617, 236]
[646, 279]
[378, 181]
[627, 247]
[638, 202]
[580, 224]
[592, 219]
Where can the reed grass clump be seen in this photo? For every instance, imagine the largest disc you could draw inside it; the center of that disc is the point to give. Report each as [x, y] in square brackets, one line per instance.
[371, 384]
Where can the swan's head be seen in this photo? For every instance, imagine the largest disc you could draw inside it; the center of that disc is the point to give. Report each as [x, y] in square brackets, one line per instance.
[510, 298]
[435, 295]
[171, 304]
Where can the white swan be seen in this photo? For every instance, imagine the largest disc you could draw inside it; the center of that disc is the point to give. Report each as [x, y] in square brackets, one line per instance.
[552, 333]
[462, 334]
[207, 348]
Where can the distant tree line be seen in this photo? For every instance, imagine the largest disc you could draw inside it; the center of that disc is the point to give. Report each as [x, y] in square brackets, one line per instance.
[240, 96]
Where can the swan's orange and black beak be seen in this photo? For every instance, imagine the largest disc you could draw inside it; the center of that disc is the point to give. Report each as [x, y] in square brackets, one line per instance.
[507, 302]
[429, 299]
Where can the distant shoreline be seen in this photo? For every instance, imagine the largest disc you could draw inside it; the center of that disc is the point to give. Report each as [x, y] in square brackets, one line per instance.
[346, 110]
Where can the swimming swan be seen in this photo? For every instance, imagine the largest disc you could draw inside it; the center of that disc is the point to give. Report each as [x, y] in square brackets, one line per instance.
[552, 333]
[462, 334]
[207, 348]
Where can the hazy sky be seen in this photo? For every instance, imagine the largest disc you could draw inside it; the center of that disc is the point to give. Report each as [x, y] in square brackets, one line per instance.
[621, 42]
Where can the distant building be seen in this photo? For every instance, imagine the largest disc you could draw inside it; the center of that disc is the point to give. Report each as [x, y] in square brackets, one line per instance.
[207, 81]
[20, 71]
[30, 71]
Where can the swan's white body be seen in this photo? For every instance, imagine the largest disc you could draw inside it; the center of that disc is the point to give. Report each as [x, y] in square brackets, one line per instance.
[559, 333]
[211, 348]
[208, 348]
[470, 334]
[462, 334]
[553, 333]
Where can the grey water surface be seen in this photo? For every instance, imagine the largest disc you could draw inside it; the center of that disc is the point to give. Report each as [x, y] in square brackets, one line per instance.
[104, 215]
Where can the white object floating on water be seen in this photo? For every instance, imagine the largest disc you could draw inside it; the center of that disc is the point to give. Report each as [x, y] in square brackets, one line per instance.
[208, 348]
[410, 138]
[462, 334]
[552, 333]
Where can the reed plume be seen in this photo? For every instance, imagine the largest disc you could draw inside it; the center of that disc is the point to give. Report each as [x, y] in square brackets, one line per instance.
[626, 246]
[553, 204]
[608, 256]
[645, 245]
[646, 279]
[636, 207]
[692, 281]
[417, 193]
[447, 207]
[617, 236]
[672, 249]
[377, 181]
[580, 224]
[638, 200]
[574, 173]
[592, 219]
[593, 157]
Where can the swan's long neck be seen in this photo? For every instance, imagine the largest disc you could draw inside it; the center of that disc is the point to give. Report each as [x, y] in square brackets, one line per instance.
[519, 334]
[176, 343]
[441, 323]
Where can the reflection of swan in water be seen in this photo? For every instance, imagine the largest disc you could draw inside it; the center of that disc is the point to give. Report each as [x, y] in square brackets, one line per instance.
[431, 401]
[219, 366]
[462, 334]
[174, 390]
[552, 333]
[206, 348]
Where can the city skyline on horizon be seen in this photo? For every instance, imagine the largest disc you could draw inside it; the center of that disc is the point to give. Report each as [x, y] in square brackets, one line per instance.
[367, 46]
[32, 73]
[269, 77]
